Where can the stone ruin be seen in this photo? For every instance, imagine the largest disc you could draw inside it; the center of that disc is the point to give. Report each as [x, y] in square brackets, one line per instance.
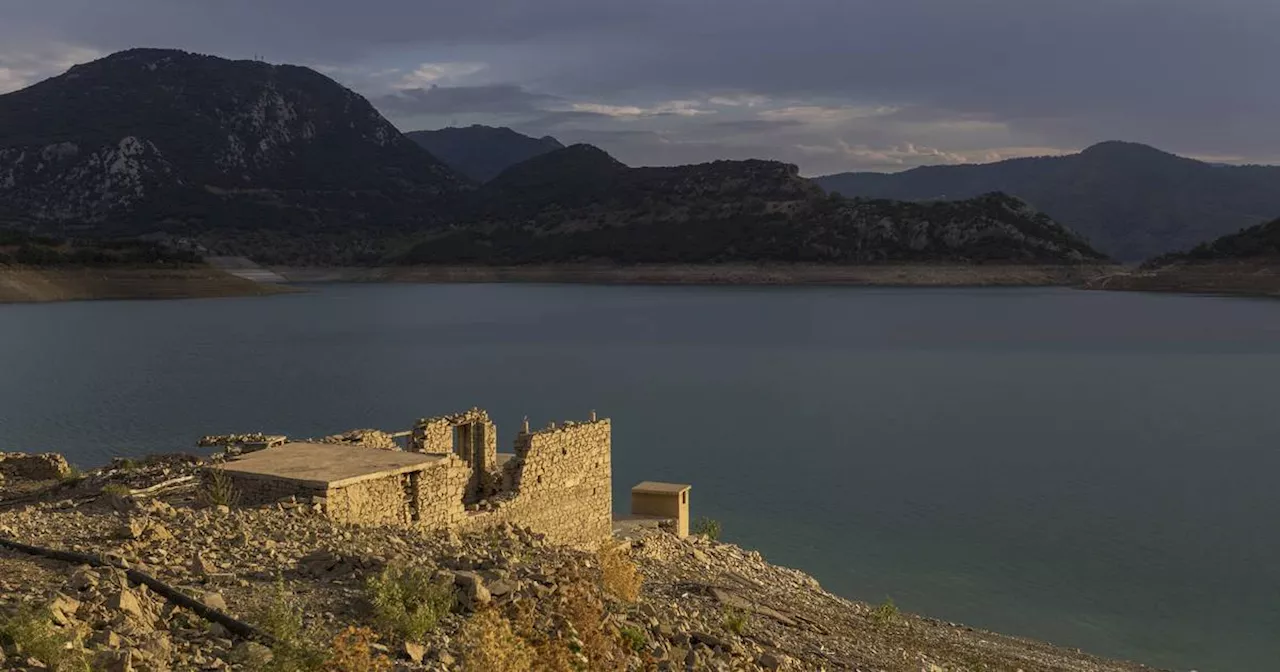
[449, 475]
[33, 467]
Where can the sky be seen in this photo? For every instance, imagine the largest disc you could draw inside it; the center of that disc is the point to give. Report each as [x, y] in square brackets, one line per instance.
[829, 85]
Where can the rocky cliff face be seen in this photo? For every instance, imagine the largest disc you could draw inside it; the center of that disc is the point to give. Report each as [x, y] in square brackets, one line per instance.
[152, 139]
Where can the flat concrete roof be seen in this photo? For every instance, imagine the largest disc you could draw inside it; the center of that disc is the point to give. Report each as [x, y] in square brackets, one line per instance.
[326, 465]
[656, 488]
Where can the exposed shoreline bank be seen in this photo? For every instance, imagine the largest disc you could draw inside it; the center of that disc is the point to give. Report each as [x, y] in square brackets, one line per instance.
[887, 275]
[1236, 278]
[20, 284]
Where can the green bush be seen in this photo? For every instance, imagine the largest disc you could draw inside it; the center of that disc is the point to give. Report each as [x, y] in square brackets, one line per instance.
[633, 638]
[30, 633]
[886, 612]
[707, 527]
[297, 648]
[217, 489]
[407, 603]
[736, 620]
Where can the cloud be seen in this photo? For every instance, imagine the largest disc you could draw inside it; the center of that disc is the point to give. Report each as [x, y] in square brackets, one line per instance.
[23, 67]
[431, 73]
[450, 100]
[681, 108]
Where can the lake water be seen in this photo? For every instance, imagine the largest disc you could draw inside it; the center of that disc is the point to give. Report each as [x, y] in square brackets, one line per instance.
[1094, 469]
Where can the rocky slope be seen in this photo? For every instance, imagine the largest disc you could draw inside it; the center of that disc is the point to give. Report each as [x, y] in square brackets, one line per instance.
[482, 152]
[581, 205]
[153, 140]
[284, 569]
[1131, 201]
[1246, 263]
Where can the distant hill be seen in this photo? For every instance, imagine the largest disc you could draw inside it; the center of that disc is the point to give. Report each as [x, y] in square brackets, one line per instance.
[241, 153]
[482, 152]
[1130, 200]
[1246, 262]
[1261, 242]
[580, 204]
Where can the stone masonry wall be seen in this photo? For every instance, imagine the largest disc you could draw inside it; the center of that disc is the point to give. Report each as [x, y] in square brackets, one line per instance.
[440, 493]
[251, 491]
[561, 482]
[378, 501]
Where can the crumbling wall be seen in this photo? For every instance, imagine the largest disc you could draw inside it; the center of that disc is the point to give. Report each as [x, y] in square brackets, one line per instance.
[364, 438]
[471, 436]
[28, 467]
[561, 485]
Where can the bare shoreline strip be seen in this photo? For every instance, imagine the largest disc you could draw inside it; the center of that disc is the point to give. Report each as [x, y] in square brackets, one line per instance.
[38, 285]
[885, 275]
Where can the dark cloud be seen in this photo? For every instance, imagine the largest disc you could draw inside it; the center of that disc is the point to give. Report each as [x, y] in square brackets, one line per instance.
[451, 100]
[966, 79]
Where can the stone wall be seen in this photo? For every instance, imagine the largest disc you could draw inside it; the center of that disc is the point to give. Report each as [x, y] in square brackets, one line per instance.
[561, 485]
[377, 501]
[440, 493]
[257, 491]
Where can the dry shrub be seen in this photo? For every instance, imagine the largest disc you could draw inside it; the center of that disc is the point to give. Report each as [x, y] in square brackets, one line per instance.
[488, 643]
[618, 574]
[352, 651]
[600, 643]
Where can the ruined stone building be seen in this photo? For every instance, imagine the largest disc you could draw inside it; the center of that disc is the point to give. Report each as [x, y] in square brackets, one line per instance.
[450, 474]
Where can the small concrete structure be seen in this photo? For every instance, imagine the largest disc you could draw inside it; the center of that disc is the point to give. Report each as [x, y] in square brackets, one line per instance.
[663, 500]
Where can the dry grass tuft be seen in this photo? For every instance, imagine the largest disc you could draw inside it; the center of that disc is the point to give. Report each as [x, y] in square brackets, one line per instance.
[619, 575]
[488, 643]
[352, 651]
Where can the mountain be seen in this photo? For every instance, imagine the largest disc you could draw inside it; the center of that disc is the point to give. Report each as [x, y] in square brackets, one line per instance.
[579, 204]
[482, 152]
[1130, 200]
[155, 140]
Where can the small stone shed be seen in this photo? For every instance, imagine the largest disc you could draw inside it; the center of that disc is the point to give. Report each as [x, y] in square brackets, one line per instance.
[556, 481]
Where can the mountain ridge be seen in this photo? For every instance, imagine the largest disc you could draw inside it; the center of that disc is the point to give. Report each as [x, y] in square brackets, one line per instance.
[1131, 200]
[482, 152]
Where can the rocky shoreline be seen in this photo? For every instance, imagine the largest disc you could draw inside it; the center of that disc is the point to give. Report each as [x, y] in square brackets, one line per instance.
[37, 285]
[652, 602]
[880, 275]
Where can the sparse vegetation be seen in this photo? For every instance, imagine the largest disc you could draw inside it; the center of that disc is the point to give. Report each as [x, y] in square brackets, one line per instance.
[488, 643]
[30, 633]
[73, 474]
[297, 648]
[352, 651]
[707, 527]
[736, 620]
[886, 612]
[406, 602]
[633, 638]
[619, 575]
[217, 489]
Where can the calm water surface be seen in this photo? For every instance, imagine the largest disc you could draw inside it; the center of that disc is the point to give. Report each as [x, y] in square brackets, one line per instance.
[1094, 469]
